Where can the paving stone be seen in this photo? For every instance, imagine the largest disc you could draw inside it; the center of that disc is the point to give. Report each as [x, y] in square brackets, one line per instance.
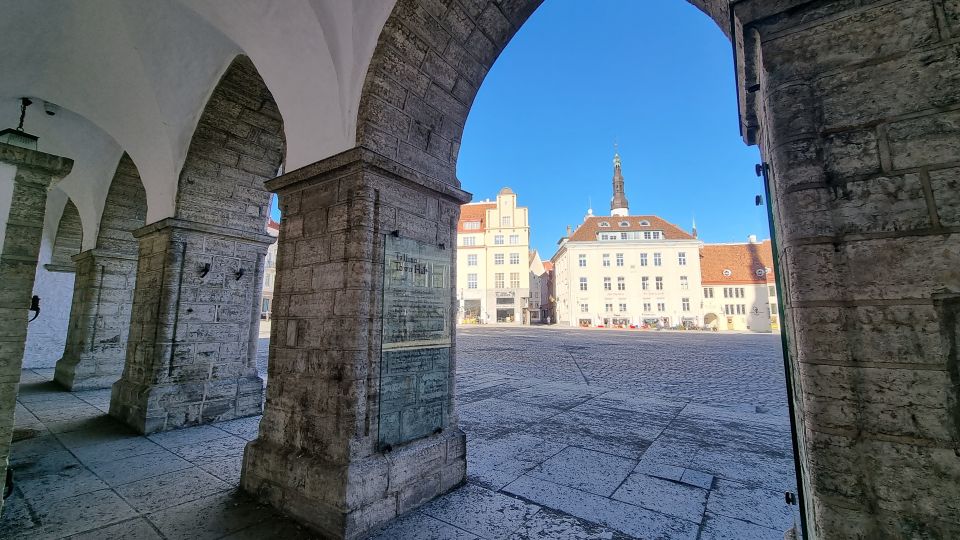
[16, 517]
[69, 481]
[759, 506]
[617, 515]
[227, 468]
[585, 470]
[660, 470]
[80, 513]
[138, 528]
[192, 435]
[128, 446]
[210, 517]
[246, 428]
[664, 496]
[697, 478]
[159, 492]
[211, 449]
[724, 528]
[422, 527]
[131, 469]
[480, 511]
[548, 524]
[495, 463]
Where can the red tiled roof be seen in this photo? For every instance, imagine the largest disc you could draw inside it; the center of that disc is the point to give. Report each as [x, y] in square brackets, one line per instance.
[548, 266]
[587, 231]
[271, 224]
[742, 260]
[474, 212]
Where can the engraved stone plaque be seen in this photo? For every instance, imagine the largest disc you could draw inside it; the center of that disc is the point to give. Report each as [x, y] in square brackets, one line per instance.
[415, 354]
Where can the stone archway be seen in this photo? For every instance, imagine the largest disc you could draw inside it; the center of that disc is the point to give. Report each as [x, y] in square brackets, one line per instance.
[191, 352]
[861, 182]
[103, 290]
[68, 240]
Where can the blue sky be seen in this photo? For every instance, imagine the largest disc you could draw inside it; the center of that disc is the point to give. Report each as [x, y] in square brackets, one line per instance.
[657, 76]
[654, 75]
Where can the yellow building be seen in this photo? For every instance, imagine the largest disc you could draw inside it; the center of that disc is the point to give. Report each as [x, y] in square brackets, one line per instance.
[493, 273]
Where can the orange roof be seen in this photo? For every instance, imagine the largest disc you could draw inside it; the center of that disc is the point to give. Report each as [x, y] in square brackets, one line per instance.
[474, 212]
[588, 230]
[741, 260]
[548, 266]
[271, 224]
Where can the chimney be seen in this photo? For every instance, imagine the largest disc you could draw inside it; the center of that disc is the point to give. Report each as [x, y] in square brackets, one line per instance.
[752, 239]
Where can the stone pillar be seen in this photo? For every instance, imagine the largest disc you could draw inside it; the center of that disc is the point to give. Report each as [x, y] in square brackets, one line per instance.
[191, 351]
[855, 106]
[99, 320]
[321, 456]
[18, 267]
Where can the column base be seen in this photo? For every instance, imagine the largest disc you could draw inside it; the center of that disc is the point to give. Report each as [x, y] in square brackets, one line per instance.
[344, 501]
[161, 407]
[73, 379]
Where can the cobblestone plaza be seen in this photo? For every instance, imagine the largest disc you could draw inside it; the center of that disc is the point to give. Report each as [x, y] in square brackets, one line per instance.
[571, 434]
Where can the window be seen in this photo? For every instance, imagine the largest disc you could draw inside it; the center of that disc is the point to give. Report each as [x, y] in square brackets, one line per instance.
[472, 260]
[582, 259]
[469, 240]
[619, 259]
[471, 225]
[498, 239]
[643, 259]
[604, 223]
[772, 290]
[606, 259]
[741, 309]
[645, 283]
[657, 261]
[514, 239]
[607, 286]
[514, 258]
[743, 293]
[647, 235]
[682, 258]
[646, 307]
[685, 304]
[505, 221]
[727, 309]
[498, 258]
[608, 236]
[515, 280]
[684, 283]
[265, 306]
[661, 307]
[708, 292]
[608, 308]
[583, 284]
[471, 281]
[584, 308]
[623, 308]
[659, 283]
[621, 283]
[624, 223]
[498, 280]
[644, 223]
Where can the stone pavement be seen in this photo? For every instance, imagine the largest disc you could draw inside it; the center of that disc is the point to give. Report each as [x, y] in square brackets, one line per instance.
[559, 446]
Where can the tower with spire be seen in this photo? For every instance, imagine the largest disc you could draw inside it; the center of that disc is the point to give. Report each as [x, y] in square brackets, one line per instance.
[618, 204]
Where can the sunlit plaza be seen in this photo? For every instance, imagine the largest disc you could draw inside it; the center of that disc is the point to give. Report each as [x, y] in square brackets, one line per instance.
[570, 434]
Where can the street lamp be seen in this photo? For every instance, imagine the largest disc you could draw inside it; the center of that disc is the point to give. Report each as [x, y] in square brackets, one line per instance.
[17, 136]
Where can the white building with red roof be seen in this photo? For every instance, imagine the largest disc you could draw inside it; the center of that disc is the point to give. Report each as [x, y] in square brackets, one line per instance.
[739, 289]
[625, 270]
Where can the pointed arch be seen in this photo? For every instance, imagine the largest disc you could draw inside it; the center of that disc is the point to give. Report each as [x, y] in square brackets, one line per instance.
[237, 145]
[124, 211]
[68, 240]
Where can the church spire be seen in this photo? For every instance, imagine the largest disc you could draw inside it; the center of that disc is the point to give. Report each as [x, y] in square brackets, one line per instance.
[618, 204]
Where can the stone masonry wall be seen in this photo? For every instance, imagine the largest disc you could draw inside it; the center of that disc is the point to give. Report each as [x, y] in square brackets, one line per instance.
[191, 351]
[859, 119]
[103, 291]
[18, 265]
[317, 456]
[238, 144]
[68, 241]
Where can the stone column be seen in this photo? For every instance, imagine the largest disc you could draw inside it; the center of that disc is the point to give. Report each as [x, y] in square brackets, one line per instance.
[99, 320]
[191, 351]
[325, 455]
[18, 267]
[855, 106]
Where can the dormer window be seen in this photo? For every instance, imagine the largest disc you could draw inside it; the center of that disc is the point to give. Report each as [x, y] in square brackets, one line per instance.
[644, 223]
[727, 272]
[624, 223]
[604, 223]
[471, 225]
